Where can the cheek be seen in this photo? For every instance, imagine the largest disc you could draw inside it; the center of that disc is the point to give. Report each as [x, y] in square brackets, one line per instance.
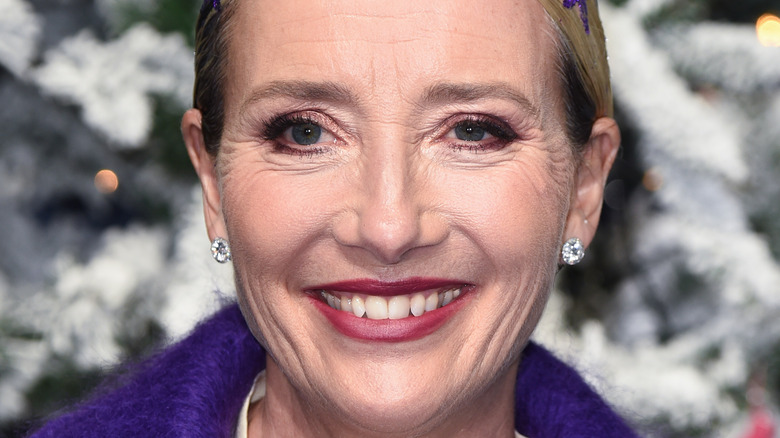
[269, 216]
[275, 222]
[516, 216]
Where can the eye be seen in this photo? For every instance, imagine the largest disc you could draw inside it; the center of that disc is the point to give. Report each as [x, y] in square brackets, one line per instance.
[298, 133]
[468, 131]
[479, 132]
[304, 134]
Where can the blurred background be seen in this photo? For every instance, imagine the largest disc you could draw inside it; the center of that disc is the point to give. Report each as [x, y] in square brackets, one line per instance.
[674, 315]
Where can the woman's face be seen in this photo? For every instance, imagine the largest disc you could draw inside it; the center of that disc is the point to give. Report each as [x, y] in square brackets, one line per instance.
[385, 153]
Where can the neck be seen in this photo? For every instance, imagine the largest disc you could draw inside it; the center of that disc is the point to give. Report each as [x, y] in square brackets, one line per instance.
[284, 412]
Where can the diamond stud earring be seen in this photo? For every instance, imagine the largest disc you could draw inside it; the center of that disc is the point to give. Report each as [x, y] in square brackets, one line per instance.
[573, 251]
[220, 250]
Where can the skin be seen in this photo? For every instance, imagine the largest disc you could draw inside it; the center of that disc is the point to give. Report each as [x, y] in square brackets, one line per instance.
[390, 194]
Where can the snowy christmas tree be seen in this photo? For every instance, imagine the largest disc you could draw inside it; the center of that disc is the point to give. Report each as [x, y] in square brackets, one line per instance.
[692, 303]
[674, 316]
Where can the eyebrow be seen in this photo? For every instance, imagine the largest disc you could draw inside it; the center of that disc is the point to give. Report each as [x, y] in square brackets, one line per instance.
[301, 90]
[444, 93]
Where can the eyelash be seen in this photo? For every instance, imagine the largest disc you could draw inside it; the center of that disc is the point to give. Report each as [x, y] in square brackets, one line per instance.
[502, 134]
[274, 128]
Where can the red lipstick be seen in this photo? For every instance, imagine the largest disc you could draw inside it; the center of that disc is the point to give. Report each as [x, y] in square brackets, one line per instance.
[388, 289]
[390, 330]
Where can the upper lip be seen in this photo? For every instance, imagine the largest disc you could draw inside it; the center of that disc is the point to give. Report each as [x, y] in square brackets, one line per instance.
[388, 288]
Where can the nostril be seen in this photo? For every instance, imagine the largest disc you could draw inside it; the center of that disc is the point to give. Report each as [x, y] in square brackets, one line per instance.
[390, 237]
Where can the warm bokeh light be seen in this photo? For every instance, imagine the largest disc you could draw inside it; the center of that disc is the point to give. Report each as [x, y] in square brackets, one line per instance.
[768, 30]
[652, 180]
[106, 181]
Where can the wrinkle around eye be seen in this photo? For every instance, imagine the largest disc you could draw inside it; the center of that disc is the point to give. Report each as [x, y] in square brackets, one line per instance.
[274, 123]
[266, 160]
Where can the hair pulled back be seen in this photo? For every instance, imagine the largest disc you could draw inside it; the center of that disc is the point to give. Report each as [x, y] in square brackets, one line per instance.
[582, 63]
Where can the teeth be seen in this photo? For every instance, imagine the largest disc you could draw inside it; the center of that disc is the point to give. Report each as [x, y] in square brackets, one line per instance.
[432, 302]
[396, 307]
[334, 302]
[376, 307]
[346, 304]
[358, 306]
[417, 304]
[447, 298]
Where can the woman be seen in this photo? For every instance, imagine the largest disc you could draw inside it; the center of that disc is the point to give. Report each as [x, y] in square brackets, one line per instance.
[396, 184]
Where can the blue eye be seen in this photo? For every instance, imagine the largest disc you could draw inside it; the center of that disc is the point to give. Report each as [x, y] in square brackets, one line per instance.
[470, 132]
[298, 133]
[305, 134]
[479, 132]
[479, 128]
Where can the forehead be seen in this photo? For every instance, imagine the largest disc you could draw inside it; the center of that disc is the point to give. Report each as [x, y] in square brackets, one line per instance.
[397, 48]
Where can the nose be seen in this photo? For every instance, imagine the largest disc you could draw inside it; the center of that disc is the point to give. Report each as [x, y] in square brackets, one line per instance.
[391, 217]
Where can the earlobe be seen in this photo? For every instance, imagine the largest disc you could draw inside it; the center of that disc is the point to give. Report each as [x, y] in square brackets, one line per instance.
[204, 164]
[598, 156]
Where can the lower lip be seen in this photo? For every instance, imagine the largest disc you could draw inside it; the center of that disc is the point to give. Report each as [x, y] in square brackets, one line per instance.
[390, 330]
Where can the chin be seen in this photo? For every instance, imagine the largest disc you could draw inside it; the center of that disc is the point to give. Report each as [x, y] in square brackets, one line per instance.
[402, 413]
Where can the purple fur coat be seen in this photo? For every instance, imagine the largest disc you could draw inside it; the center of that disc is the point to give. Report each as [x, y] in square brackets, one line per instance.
[196, 388]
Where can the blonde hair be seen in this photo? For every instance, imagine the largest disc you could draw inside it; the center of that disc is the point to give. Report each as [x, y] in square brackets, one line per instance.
[588, 49]
[582, 63]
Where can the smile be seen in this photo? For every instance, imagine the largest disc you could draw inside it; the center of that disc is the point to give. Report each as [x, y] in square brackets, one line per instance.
[394, 307]
[397, 311]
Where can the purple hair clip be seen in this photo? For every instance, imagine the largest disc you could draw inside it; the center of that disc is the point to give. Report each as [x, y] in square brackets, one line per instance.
[211, 4]
[583, 11]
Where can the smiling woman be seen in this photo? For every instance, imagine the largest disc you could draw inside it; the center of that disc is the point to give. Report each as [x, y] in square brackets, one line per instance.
[395, 182]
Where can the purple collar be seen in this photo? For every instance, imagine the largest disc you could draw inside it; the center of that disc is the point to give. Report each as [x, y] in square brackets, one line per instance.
[195, 388]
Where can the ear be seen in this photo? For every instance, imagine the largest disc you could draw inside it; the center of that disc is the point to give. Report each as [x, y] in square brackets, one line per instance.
[598, 156]
[205, 167]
